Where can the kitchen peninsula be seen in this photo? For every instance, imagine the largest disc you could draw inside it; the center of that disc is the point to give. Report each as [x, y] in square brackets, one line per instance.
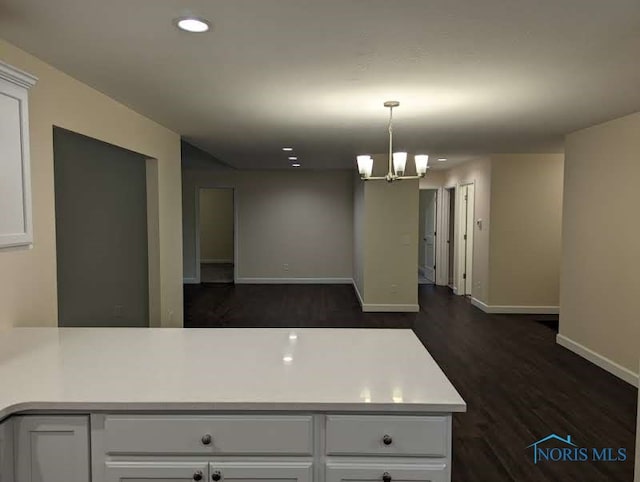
[307, 405]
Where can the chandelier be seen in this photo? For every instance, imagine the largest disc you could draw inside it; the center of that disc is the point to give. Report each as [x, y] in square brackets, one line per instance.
[397, 160]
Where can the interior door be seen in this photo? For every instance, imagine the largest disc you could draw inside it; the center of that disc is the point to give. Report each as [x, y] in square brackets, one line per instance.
[470, 208]
[156, 472]
[377, 472]
[431, 209]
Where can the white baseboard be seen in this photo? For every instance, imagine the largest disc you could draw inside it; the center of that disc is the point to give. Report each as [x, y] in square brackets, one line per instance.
[387, 308]
[190, 281]
[599, 360]
[216, 261]
[515, 310]
[286, 281]
[391, 308]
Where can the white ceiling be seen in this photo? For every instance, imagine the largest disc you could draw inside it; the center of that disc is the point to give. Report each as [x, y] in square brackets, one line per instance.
[473, 76]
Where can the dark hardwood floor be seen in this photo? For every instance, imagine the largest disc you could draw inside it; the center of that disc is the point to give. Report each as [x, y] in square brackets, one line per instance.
[519, 384]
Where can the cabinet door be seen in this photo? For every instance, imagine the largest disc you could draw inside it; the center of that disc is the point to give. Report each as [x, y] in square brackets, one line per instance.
[156, 471]
[6, 451]
[261, 471]
[51, 449]
[380, 472]
[15, 183]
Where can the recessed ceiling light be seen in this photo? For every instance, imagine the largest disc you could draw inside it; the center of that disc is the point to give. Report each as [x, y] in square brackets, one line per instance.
[442, 159]
[287, 359]
[293, 158]
[295, 164]
[192, 24]
[287, 148]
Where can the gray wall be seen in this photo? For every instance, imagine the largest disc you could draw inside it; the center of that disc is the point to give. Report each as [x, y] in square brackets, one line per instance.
[101, 233]
[291, 225]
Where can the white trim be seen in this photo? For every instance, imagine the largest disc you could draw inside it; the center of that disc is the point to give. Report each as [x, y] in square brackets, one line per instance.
[388, 308]
[391, 308]
[215, 261]
[283, 281]
[190, 281]
[515, 309]
[17, 76]
[598, 360]
[355, 287]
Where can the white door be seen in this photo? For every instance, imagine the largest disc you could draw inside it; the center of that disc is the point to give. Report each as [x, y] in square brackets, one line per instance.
[51, 449]
[261, 471]
[156, 471]
[430, 236]
[391, 472]
[470, 207]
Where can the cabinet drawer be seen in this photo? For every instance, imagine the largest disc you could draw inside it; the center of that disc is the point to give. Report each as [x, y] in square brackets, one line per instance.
[377, 472]
[388, 435]
[257, 435]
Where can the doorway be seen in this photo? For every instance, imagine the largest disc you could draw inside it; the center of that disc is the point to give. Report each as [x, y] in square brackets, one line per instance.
[215, 253]
[466, 208]
[428, 212]
[449, 232]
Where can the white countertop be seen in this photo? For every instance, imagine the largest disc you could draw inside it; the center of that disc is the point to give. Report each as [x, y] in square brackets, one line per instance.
[220, 369]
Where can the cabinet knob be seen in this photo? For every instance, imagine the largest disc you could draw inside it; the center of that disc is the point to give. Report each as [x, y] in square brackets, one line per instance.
[206, 439]
[217, 475]
[387, 440]
[386, 477]
[197, 475]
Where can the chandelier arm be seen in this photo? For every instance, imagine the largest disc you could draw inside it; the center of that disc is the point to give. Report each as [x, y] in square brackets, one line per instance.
[390, 174]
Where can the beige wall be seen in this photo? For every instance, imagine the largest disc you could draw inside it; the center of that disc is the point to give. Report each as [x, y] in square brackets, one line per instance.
[216, 225]
[526, 219]
[599, 285]
[358, 233]
[391, 245]
[303, 219]
[28, 276]
[478, 172]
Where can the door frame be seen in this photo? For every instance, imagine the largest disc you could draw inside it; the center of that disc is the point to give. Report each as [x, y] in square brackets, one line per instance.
[436, 242]
[463, 286]
[198, 188]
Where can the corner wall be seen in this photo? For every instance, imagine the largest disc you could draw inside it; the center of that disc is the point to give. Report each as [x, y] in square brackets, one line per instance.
[526, 214]
[599, 284]
[28, 293]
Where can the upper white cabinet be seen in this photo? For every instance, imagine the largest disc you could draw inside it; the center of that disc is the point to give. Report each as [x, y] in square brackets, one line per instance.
[15, 181]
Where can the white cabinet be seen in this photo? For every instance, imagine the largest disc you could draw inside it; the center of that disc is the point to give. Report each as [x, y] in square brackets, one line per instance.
[51, 448]
[384, 435]
[156, 471]
[387, 472]
[15, 181]
[242, 471]
[6, 451]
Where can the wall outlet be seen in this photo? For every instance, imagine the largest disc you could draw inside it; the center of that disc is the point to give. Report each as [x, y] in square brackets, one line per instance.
[118, 311]
[394, 289]
[170, 313]
[285, 266]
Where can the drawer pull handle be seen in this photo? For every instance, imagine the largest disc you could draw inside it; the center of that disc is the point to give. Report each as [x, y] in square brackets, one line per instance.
[206, 439]
[387, 440]
[386, 477]
[197, 475]
[216, 476]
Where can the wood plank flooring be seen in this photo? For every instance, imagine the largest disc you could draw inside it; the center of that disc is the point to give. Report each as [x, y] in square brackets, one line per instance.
[519, 384]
